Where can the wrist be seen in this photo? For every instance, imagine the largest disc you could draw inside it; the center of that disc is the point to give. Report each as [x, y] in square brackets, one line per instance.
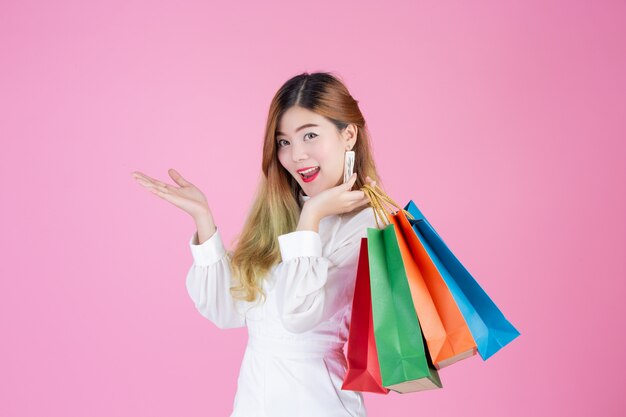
[205, 227]
[204, 216]
[309, 219]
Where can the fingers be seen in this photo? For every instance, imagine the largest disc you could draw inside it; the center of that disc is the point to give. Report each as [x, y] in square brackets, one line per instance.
[152, 184]
[357, 199]
[165, 191]
[178, 179]
[138, 176]
[146, 178]
[357, 195]
[369, 180]
[165, 195]
[363, 200]
[360, 202]
[348, 184]
[145, 183]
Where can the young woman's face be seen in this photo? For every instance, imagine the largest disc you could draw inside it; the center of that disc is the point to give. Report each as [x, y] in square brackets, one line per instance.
[304, 140]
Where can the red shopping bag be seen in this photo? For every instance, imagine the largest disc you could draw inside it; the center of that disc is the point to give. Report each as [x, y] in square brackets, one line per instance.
[363, 368]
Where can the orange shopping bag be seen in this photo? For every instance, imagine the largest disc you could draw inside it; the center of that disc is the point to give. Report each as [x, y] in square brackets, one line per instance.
[447, 335]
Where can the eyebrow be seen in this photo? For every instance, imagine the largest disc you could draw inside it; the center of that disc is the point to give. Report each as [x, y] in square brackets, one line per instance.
[300, 128]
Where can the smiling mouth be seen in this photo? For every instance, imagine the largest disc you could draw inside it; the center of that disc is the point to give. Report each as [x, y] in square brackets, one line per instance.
[310, 173]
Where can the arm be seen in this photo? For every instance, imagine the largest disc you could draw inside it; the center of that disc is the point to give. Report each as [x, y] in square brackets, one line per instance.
[311, 288]
[209, 280]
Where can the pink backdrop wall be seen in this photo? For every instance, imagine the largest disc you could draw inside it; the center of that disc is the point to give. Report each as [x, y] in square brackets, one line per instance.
[504, 121]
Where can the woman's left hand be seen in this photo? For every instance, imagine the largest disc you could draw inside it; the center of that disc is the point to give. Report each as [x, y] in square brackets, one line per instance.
[337, 200]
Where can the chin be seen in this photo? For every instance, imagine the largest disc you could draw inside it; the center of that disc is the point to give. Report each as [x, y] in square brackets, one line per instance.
[317, 186]
[307, 190]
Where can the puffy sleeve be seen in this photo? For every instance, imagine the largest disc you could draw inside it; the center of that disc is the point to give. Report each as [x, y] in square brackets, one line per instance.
[311, 288]
[209, 280]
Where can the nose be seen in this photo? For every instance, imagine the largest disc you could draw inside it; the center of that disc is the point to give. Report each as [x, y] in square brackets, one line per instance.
[298, 153]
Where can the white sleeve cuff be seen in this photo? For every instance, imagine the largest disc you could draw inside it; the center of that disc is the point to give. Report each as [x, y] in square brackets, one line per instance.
[300, 243]
[209, 252]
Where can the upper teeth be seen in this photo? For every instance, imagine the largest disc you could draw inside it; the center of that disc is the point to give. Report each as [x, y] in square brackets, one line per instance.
[308, 170]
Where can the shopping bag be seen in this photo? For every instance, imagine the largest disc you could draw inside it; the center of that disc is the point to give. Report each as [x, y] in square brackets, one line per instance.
[363, 372]
[404, 362]
[446, 333]
[489, 327]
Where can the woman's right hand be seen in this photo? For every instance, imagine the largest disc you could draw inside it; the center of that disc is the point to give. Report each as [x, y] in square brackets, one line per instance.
[187, 197]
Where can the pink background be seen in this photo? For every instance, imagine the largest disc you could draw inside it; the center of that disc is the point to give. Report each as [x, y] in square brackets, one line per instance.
[504, 121]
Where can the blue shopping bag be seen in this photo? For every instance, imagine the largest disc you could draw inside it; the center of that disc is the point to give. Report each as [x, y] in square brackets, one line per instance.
[489, 328]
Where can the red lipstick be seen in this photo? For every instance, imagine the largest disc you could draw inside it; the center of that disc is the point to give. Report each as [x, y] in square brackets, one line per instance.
[311, 175]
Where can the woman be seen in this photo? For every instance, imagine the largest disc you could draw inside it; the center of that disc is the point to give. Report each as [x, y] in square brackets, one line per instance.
[290, 279]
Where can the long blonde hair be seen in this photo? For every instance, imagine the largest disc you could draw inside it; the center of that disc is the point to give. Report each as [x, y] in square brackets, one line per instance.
[276, 208]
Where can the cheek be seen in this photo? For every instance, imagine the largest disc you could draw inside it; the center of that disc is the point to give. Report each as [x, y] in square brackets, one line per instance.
[333, 159]
[282, 159]
[325, 156]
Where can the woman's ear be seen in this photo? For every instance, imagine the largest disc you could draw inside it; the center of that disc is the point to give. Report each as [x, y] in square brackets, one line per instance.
[350, 135]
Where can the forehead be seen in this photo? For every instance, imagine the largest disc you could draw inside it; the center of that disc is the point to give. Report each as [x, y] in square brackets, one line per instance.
[296, 117]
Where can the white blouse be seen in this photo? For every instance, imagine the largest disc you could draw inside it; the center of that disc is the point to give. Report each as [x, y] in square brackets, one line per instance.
[294, 363]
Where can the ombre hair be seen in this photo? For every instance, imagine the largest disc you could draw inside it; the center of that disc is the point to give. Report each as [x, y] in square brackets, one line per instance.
[276, 207]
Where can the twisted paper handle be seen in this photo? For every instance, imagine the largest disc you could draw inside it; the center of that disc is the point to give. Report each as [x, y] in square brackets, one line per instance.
[382, 204]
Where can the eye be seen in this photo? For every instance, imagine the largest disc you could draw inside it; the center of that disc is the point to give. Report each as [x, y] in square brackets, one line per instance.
[310, 133]
[281, 140]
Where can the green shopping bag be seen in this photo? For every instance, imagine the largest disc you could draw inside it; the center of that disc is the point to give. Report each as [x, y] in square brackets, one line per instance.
[404, 361]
